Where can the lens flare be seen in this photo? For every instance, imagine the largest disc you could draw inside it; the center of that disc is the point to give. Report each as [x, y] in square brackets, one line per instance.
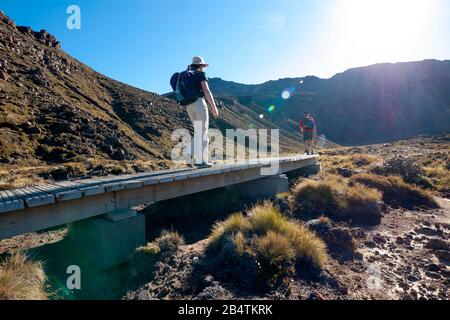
[261, 116]
[322, 141]
[271, 108]
[285, 95]
[301, 82]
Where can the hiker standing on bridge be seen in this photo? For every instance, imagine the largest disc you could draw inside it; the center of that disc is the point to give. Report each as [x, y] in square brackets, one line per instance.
[192, 89]
[308, 128]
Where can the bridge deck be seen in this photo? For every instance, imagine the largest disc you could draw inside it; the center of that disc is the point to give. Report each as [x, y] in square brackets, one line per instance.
[22, 210]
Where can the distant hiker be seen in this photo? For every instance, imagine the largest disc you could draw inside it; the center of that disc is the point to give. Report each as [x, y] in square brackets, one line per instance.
[191, 87]
[309, 129]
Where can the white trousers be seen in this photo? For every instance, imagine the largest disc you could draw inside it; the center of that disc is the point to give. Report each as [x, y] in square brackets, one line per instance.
[198, 113]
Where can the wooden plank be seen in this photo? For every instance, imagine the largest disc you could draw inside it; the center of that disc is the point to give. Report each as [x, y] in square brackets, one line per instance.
[180, 177]
[10, 202]
[61, 192]
[51, 189]
[92, 191]
[34, 197]
[134, 184]
[3, 196]
[150, 181]
[165, 179]
[114, 187]
[69, 195]
[13, 205]
[193, 175]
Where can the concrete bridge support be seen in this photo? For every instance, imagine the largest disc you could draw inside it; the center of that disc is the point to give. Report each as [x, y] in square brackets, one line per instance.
[110, 239]
[264, 188]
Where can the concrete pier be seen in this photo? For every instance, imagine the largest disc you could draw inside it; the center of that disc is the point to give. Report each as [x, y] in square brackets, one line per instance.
[264, 188]
[109, 241]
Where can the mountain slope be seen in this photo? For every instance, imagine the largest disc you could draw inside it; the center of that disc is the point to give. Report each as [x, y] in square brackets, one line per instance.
[55, 109]
[363, 105]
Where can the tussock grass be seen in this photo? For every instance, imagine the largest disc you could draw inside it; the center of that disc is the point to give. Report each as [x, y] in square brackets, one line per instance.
[167, 243]
[334, 198]
[394, 189]
[260, 232]
[360, 195]
[274, 249]
[439, 175]
[234, 224]
[317, 197]
[22, 279]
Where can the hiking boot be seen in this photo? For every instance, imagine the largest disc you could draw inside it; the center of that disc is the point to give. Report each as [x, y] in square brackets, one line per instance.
[205, 165]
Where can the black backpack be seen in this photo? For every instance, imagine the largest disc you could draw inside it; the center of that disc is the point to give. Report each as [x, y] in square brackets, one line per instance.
[183, 84]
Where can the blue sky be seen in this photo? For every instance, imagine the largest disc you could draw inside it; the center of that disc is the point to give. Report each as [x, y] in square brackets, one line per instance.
[142, 42]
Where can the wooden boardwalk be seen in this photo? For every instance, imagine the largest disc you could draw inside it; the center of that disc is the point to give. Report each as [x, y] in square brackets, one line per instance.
[44, 206]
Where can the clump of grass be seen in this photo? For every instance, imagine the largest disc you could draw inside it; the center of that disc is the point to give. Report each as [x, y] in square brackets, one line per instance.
[150, 248]
[363, 160]
[17, 181]
[334, 198]
[324, 220]
[22, 279]
[167, 243]
[317, 197]
[396, 191]
[360, 195]
[275, 254]
[276, 242]
[234, 224]
[439, 176]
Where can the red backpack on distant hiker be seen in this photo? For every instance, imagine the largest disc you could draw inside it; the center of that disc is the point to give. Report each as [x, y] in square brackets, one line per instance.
[308, 123]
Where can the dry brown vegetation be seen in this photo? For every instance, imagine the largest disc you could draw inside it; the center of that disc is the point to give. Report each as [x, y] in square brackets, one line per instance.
[334, 198]
[167, 243]
[396, 191]
[22, 279]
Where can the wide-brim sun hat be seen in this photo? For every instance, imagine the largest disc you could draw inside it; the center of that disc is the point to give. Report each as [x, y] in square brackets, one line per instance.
[199, 61]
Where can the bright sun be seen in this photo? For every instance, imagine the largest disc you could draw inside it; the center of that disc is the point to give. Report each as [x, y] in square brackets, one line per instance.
[386, 30]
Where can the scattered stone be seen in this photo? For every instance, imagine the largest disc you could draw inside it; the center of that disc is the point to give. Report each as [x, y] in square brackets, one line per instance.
[370, 244]
[427, 231]
[315, 296]
[339, 240]
[345, 172]
[437, 244]
[358, 233]
[412, 278]
[379, 239]
[433, 267]
[433, 275]
[443, 255]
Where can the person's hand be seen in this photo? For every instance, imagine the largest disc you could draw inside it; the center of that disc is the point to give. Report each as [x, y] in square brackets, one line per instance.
[215, 112]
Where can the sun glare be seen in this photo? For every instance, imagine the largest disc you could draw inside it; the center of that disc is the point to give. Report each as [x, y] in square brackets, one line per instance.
[369, 30]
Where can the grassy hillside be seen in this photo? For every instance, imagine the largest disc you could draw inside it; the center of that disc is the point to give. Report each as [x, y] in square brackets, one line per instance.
[54, 109]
